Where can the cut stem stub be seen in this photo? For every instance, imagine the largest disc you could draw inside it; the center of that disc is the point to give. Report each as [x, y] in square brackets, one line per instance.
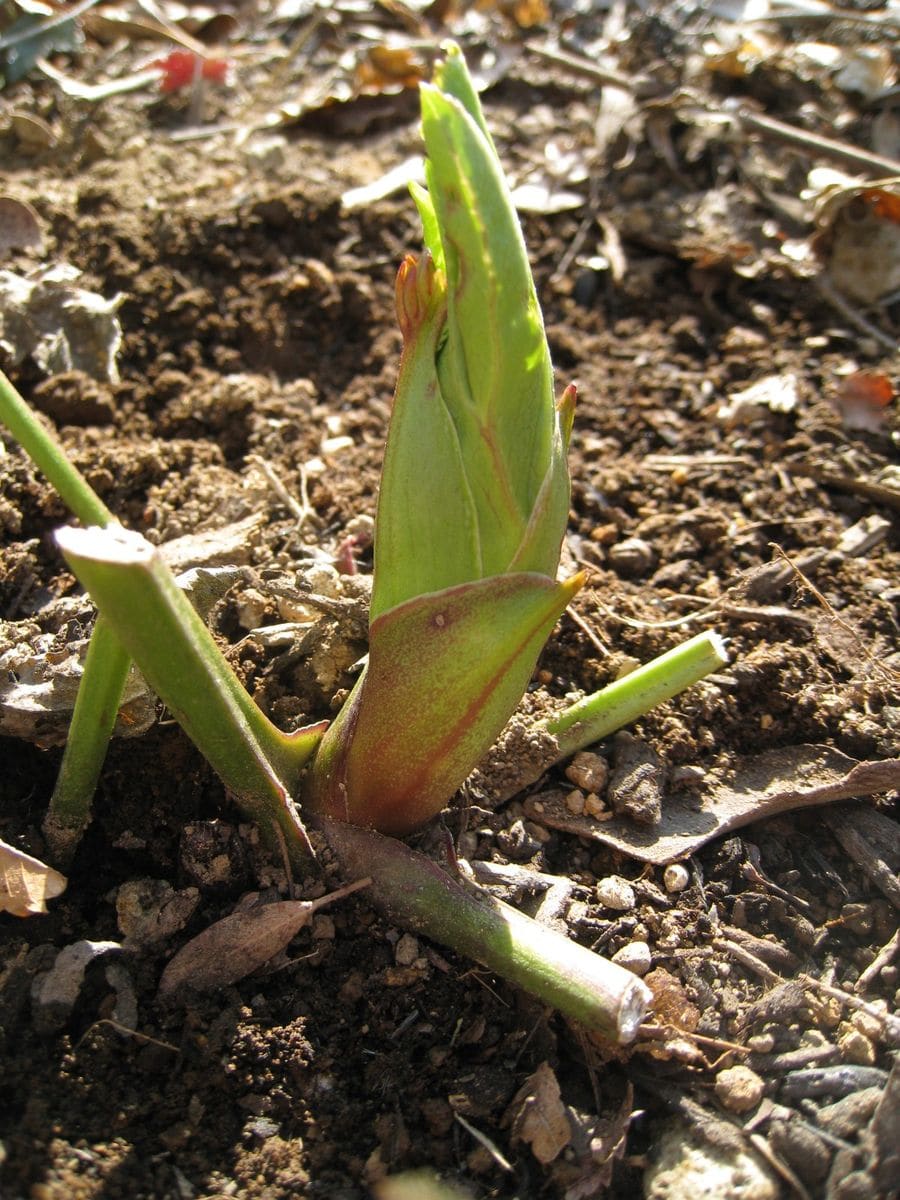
[413, 891]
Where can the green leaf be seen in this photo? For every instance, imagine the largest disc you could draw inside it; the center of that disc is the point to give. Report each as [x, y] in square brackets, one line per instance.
[474, 495]
[426, 526]
[452, 76]
[445, 671]
[494, 367]
[475, 480]
[431, 234]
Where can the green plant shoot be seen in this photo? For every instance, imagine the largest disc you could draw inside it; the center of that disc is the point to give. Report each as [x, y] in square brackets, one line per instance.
[474, 495]
[471, 516]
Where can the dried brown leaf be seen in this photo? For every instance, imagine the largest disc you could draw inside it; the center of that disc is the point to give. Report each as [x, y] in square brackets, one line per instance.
[240, 943]
[598, 1143]
[26, 884]
[759, 786]
[671, 1005]
[858, 235]
[539, 1117]
[388, 68]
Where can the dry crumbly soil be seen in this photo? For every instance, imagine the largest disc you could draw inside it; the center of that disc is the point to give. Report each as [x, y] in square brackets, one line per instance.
[258, 324]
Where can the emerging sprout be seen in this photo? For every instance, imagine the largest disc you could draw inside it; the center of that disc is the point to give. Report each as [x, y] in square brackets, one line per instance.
[471, 516]
[474, 495]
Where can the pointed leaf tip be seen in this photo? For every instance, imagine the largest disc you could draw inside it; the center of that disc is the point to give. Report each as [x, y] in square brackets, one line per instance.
[566, 409]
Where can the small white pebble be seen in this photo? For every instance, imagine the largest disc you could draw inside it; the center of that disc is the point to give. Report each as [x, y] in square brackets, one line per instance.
[251, 608]
[616, 893]
[362, 527]
[575, 802]
[676, 877]
[634, 957]
[406, 951]
[625, 664]
[334, 445]
[266, 153]
[739, 1089]
[323, 579]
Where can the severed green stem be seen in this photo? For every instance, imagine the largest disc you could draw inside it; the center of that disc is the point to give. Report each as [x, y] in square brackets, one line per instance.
[413, 891]
[107, 663]
[600, 714]
[47, 454]
[106, 668]
[139, 596]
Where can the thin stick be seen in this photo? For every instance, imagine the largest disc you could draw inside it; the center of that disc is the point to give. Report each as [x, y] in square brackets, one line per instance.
[485, 1141]
[587, 631]
[816, 144]
[855, 318]
[634, 84]
[749, 960]
[883, 958]
[888, 1021]
[748, 120]
[865, 652]
[302, 511]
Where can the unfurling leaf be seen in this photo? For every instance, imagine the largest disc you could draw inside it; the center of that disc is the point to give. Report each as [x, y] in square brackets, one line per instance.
[474, 495]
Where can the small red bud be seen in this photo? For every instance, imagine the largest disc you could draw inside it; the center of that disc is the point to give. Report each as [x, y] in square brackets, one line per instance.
[416, 291]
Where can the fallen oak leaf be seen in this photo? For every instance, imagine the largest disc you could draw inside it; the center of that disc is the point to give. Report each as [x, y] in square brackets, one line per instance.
[240, 943]
[26, 884]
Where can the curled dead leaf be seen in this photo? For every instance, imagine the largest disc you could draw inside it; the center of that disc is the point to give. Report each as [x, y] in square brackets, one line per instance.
[858, 235]
[863, 398]
[389, 68]
[26, 884]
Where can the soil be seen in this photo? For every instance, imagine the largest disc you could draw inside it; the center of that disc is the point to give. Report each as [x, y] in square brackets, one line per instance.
[259, 343]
